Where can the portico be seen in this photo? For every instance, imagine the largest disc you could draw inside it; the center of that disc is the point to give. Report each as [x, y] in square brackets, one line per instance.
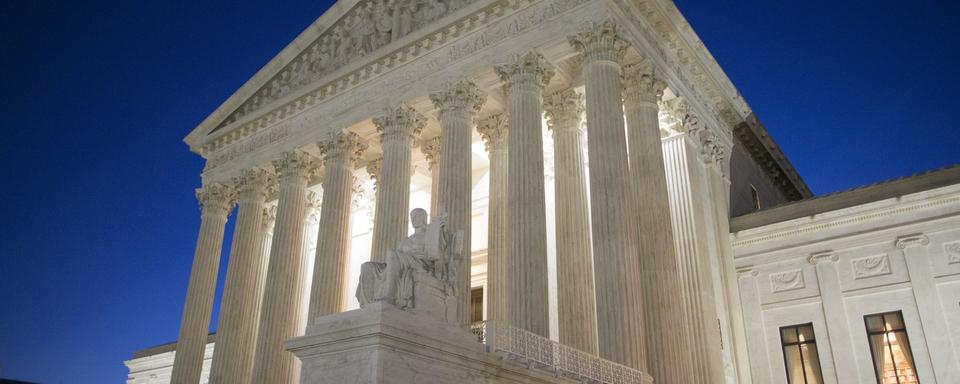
[538, 128]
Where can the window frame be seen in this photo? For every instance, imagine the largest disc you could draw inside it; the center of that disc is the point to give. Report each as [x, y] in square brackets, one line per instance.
[906, 339]
[799, 345]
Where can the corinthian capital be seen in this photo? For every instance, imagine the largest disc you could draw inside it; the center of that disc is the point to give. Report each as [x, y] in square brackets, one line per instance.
[640, 84]
[712, 150]
[527, 70]
[431, 150]
[461, 96]
[343, 146]
[373, 169]
[295, 163]
[253, 183]
[563, 109]
[216, 199]
[400, 123]
[599, 41]
[687, 121]
[493, 130]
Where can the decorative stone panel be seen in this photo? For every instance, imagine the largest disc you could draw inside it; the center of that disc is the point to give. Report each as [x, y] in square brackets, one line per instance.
[871, 266]
[952, 252]
[787, 281]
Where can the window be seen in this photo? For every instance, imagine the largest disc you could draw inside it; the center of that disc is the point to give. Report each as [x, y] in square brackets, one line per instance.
[476, 305]
[800, 354]
[755, 194]
[890, 348]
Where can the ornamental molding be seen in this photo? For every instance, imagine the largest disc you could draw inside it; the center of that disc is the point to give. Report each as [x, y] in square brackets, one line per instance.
[792, 228]
[787, 281]
[914, 240]
[952, 252]
[822, 257]
[495, 21]
[871, 266]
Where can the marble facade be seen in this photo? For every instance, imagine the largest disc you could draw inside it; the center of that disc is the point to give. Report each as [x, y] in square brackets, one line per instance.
[583, 147]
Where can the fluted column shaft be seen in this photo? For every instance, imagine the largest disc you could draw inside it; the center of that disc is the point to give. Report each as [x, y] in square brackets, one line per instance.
[458, 106]
[576, 302]
[616, 268]
[493, 130]
[666, 339]
[280, 317]
[397, 127]
[215, 203]
[240, 305]
[329, 272]
[525, 79]
[431, 150]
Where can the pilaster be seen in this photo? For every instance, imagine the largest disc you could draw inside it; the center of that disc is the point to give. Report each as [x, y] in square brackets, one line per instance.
[831, 297]
[927, 296]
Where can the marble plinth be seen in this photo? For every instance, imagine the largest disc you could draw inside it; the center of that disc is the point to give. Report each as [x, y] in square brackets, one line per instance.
[380, 344]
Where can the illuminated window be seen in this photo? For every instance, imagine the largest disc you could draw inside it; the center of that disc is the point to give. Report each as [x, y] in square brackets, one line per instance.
[890, 348]
[755, 194]
[800, 354]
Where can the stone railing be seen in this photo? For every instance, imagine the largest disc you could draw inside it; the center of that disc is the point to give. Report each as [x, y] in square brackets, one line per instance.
[540, 352]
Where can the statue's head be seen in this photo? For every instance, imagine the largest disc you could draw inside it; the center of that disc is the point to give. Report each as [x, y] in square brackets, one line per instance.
[418, 217]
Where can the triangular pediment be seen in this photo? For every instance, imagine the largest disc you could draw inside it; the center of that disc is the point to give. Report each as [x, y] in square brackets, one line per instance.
[348, 31]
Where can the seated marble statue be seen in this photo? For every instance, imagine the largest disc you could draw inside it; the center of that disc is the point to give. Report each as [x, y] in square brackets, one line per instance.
[431, 250]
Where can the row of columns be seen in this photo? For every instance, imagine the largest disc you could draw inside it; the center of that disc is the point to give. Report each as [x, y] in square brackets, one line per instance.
[617, 270]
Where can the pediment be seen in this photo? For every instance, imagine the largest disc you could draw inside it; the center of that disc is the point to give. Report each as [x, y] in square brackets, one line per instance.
[348, 31]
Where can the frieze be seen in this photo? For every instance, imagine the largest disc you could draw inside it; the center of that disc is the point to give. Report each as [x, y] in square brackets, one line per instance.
[254, 143]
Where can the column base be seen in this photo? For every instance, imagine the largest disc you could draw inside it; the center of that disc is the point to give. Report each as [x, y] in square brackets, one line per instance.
[380, 344]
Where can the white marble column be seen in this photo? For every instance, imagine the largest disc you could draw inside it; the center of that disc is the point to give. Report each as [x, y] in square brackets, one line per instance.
[677, 285]
[831, 297]
[240, 305]
[340, 155]
[269, 222]
[927, 296]
[576, 300]
[280, 314]
[398, 127]
[525, 79]
[431, 150]
[373, 169]
[311, 233]
[216, 201]
[458, 105]
[616, 265]
[493, 129]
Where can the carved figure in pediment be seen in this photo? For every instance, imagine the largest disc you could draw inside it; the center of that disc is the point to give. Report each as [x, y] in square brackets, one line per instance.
[457, 4]
[431, 10]
[403, 17]
[383, 22]
[366, 30]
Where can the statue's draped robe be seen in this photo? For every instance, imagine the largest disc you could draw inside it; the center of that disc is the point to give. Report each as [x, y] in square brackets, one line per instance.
[428, 251]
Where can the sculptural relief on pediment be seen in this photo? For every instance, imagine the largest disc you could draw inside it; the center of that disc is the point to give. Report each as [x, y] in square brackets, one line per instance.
[371, 24]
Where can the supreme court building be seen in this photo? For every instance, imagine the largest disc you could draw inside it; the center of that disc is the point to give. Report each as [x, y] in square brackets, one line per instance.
[618, 199]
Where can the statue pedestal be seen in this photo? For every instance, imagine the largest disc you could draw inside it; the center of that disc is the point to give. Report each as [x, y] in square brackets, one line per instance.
[380, 344]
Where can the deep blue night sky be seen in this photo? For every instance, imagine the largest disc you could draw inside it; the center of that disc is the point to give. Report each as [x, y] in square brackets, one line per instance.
[100, 221]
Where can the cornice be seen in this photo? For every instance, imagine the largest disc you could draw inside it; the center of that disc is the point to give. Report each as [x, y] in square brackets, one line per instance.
[877, 212]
